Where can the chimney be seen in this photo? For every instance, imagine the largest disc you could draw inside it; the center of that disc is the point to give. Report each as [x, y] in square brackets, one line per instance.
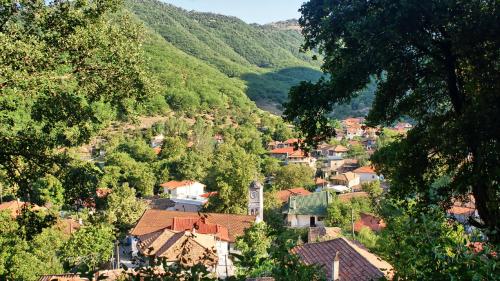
[336, 267]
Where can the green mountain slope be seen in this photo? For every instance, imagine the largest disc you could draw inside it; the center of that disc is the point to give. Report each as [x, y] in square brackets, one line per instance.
[266, 57]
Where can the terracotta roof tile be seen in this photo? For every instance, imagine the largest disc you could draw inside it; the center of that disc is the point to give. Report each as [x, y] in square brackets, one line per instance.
[290, 151]
[340, 148]
[185, 246]
[62, 277]
[209, 194]
[291, 141]
[365, 170]
[176, 184]
[356, 264]
[15, 207]
[202, 227]
[155, 220]
[372, 222]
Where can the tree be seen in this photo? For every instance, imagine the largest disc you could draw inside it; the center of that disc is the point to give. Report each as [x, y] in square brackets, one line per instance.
[121, 168]
[123, 208]
[23, 261]
[270, 166]
[282, 132]
[173, 148]
[138, 149]
[192, 165]
[33, 222]
[67, 68]
[436, 250]
[290, 176]
[253, 245]
[429, 68]
[48, 190]
[231, 175]
[373, 189]
[80, 180]
[341, 213]
[386, 137]
[88, 247]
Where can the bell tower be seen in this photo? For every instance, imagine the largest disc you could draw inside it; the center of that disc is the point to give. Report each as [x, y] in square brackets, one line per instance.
[256, 201]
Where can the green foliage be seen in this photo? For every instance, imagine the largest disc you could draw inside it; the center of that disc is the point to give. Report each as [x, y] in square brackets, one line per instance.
[192, 165]
[123, 208]
[292, 175]
[253, 246]
[373, 188]
[434, 72]
[33, 222]
[368, 238]
[272, 209]
[266, 252]
[66, 69]
[121, 168]
[138, 149]
[270, 166]
[89, 247]
[266, 58]
[173, 148]
[282, 132]
[342, 214]
[230, 176]
[80, 180]
[23, 261]
[386, 137]
[437, 249]
[48, 190]
[357, 151]
[171, 272]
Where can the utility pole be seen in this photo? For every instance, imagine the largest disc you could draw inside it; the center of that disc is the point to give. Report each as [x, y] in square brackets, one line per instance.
[352, 221]
[117, 255]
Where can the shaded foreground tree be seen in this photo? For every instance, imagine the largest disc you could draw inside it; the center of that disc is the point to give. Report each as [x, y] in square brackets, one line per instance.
[66, 69]
[436, 62]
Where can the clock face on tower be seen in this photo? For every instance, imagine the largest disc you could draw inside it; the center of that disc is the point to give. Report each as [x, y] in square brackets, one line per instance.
[253, 194]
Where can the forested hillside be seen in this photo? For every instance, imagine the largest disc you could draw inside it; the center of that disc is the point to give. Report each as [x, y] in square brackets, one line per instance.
[267, 58]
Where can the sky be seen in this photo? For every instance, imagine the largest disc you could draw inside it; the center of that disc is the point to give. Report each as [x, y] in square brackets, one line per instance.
[250, 11]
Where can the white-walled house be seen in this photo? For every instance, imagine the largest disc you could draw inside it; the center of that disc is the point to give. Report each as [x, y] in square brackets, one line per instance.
[348, 179]
[183, 189]
[308, 210]
[187, 195]
[160, 232]
[366, 174]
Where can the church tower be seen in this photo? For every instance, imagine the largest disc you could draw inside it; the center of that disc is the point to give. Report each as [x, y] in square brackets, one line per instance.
[256, 201]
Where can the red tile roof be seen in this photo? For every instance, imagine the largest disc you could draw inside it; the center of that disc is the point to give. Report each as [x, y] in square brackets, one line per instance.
[290, 151]
[372, 222]
[356, 263]
[320, 181]
[340, 148]
[15, 207]
[176, 184]
[291, 141]
[283, 195]
[202, 227]
[103, 192]
[365, 170]
[62, 277]
[154, 220]
[157, 150]
[209, 194]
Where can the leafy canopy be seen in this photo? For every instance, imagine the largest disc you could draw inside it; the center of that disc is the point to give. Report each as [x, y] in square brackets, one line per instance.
[436, 62]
